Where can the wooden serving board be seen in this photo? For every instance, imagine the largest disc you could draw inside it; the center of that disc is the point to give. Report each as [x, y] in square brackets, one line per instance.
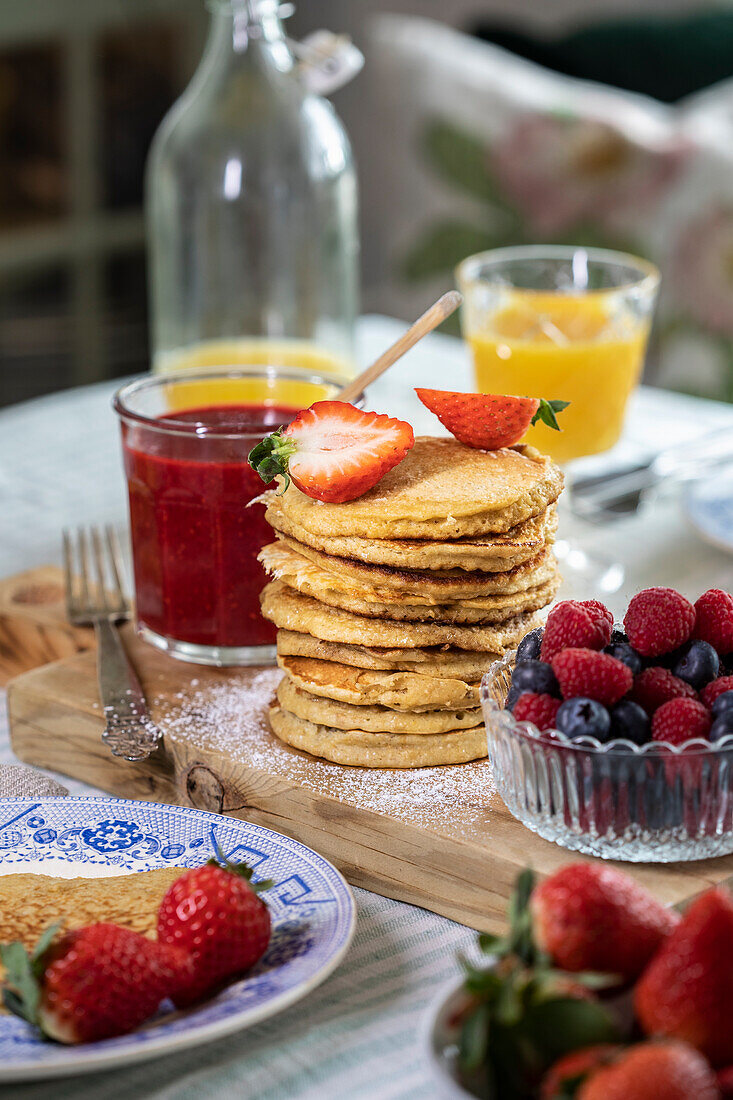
[33, 625]
[439, 837]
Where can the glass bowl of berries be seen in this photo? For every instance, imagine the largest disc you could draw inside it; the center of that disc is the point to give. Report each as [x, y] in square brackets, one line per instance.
[617, 741]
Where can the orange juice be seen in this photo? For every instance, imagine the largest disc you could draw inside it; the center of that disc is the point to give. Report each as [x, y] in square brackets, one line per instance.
[255, 351]
[585, 349]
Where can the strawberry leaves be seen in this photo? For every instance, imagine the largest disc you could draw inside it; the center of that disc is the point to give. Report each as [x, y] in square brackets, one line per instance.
[547, 413]
[270, 457]
[23, 973]
[243, 870]
[521, 1012]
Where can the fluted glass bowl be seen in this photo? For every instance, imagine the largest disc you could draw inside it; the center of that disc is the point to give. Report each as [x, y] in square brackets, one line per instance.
[656, 803]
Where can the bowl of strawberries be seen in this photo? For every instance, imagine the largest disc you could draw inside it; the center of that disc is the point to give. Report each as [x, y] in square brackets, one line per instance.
[616, 740]
[597, 991]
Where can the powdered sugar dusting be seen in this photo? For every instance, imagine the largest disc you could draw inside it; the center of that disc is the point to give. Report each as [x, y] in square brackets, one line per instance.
[229, 716]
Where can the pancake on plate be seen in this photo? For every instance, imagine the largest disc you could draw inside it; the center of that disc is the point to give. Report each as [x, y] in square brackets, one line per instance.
[29, 903]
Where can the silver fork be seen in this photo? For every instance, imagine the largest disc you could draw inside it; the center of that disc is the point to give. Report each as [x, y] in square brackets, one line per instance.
[129, 731]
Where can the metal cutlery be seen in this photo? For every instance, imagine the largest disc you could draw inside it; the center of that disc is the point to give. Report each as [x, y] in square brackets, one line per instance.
[620, 492]
[101, 602]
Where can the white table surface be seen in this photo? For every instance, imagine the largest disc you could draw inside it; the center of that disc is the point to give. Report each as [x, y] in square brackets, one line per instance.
[358, 1035]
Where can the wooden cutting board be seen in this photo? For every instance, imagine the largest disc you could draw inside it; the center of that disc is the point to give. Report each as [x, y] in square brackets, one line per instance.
[438, 837]
[33, 625]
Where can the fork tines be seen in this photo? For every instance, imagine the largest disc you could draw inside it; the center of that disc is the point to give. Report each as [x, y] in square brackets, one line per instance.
[88, 598]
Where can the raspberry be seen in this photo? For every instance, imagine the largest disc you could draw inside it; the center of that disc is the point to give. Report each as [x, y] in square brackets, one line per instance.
[679, 720]
[714, 620]
[711, 691]
[584, 672]
[571, 625]
[658, 620]
[600, 615]
[540, 709]
[655, 686]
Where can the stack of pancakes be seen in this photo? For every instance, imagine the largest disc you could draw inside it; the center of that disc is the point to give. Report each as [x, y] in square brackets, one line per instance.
[391, 607]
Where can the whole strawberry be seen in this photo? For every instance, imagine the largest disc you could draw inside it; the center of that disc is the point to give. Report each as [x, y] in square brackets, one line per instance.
[686, 992]
[214, 914]
[489, 421]
[652, 1071]
[590, 917]
[92, 983]
[562, 1078]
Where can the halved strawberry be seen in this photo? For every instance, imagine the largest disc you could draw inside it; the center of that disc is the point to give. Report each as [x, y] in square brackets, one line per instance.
[333, 451]
[489, 421]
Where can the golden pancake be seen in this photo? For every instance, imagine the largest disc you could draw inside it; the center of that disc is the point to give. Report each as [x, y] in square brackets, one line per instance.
[426, 586]
[29, 902]
[441, 490]
[444, 663]
[371, 719]
[378, 750]
[364, 687]
[490, 554]
[311, 580]
[290, 610]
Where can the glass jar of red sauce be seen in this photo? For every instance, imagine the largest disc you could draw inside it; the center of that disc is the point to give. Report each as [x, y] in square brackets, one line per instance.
[195, 534]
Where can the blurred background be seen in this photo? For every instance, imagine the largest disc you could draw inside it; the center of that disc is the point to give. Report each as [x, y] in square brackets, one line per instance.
[475, 124]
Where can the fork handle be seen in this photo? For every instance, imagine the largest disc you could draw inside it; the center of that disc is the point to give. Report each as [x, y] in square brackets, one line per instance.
[129, 731]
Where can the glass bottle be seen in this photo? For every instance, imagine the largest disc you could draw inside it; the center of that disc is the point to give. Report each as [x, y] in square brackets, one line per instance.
[251, 206]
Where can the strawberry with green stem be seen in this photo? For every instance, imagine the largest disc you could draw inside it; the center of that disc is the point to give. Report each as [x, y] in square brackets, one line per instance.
[521, 1012]
[91, 983]
[215, 915]
[489, 421]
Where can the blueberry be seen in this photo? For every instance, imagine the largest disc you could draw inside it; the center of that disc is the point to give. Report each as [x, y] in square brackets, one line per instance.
[722, 704]
[630, 721]
[698, 664]
[584, 718]
[529, 647]
[618, 635]
[722, 727]
[535, 676]
[622, 651]
[512, 696]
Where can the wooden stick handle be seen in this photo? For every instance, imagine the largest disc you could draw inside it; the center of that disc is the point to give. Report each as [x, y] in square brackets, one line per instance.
[432, 317]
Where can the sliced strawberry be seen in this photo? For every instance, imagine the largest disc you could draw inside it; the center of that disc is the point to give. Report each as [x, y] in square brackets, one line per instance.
[489, 421]
[333, 451]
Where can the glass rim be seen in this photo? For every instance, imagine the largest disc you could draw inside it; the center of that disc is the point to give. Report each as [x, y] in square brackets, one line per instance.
[466, 272]
[233, 372]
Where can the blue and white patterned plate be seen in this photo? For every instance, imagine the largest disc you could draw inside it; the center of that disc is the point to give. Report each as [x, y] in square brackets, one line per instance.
[709, 507]
[311, 906]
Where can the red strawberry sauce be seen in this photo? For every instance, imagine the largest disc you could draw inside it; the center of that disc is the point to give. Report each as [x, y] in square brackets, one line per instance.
[195, 542]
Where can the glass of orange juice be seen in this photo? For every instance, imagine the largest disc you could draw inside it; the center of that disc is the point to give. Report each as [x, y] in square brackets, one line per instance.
[561, 322]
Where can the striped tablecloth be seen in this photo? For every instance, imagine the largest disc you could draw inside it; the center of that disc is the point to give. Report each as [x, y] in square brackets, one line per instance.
[359, 1035]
